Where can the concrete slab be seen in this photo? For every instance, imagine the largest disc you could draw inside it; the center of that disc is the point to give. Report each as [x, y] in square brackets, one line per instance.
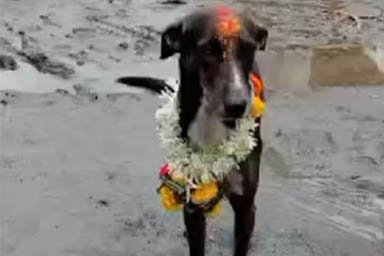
[333, 65]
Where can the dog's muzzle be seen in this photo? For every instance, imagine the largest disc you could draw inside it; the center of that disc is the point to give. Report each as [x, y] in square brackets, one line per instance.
[235, 110]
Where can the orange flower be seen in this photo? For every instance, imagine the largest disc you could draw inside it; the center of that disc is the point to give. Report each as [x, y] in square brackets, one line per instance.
[258, 107]
[170, 199]
[216, 210]
[205, 193]
[258, 84]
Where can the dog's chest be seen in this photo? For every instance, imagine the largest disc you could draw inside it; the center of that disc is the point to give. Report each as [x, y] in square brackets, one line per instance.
[207, 129]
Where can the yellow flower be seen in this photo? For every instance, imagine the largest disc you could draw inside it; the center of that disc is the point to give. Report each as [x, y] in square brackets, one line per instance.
[170, 199]
[216, 210]
[258, 107]
[205, 193]
[258, 100]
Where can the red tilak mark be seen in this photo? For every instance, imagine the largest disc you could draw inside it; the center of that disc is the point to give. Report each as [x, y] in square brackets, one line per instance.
[227, 24]
[224, 11]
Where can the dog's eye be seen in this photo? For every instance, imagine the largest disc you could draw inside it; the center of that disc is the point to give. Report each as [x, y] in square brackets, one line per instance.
[208, 50]
[213, 49]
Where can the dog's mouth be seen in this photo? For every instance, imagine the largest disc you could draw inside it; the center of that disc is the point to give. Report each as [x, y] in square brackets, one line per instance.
[230, 122]
[231, 118]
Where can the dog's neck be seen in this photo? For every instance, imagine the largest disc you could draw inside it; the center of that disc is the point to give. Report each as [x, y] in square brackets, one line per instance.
[190, 96]
[207, 128]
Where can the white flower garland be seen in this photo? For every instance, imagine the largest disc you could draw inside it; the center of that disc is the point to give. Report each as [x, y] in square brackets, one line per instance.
[211, 162]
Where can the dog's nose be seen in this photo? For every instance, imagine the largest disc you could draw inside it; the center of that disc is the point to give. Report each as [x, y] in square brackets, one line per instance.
[235, 110]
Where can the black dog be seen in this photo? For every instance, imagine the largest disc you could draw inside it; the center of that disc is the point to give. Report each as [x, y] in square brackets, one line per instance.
[214, 92]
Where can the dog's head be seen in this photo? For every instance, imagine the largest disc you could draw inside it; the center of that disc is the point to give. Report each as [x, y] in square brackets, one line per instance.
[217, 49]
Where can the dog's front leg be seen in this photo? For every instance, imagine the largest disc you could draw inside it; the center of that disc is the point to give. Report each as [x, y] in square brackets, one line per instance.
[195, 224]
[245, 211]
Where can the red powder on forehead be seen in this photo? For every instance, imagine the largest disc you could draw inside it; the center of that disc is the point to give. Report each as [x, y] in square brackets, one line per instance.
[223, 11]
[228, 24]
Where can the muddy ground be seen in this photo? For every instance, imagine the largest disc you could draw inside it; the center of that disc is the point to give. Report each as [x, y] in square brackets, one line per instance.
[79, 155]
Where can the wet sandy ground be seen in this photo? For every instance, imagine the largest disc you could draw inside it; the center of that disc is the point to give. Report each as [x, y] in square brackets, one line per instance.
[79, 177]
[78, 171]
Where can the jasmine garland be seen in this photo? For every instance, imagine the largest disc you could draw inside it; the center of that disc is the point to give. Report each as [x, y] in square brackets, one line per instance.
[208, 163]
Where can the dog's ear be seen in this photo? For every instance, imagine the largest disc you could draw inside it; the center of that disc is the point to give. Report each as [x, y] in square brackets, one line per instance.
[261, 37]
[258, 34]
[171, 40]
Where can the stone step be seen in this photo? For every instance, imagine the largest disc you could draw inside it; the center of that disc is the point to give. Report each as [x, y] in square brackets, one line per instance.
[331, 65]
[335, 65]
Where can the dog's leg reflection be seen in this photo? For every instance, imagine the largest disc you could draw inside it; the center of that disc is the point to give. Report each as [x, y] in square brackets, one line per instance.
[195, 224]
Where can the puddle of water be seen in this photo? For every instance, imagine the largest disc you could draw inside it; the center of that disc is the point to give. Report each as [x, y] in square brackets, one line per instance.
[104, 80]
[98, 79]
[28, 79]
[284, 71]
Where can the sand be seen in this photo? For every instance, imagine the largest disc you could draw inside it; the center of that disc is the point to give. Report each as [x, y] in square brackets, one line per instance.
[78, 165]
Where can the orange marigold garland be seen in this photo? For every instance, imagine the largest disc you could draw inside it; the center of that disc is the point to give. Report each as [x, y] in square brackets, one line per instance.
[171, 201]
[172, 192]
[258, 107]
[205, 193]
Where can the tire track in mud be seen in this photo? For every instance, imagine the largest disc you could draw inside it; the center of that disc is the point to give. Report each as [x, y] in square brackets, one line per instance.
[302, 24]
[348, 209]
[143, 36]
[40, 60]
[309, 210]
[329, 175]
[286, 19]
[141, 31]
